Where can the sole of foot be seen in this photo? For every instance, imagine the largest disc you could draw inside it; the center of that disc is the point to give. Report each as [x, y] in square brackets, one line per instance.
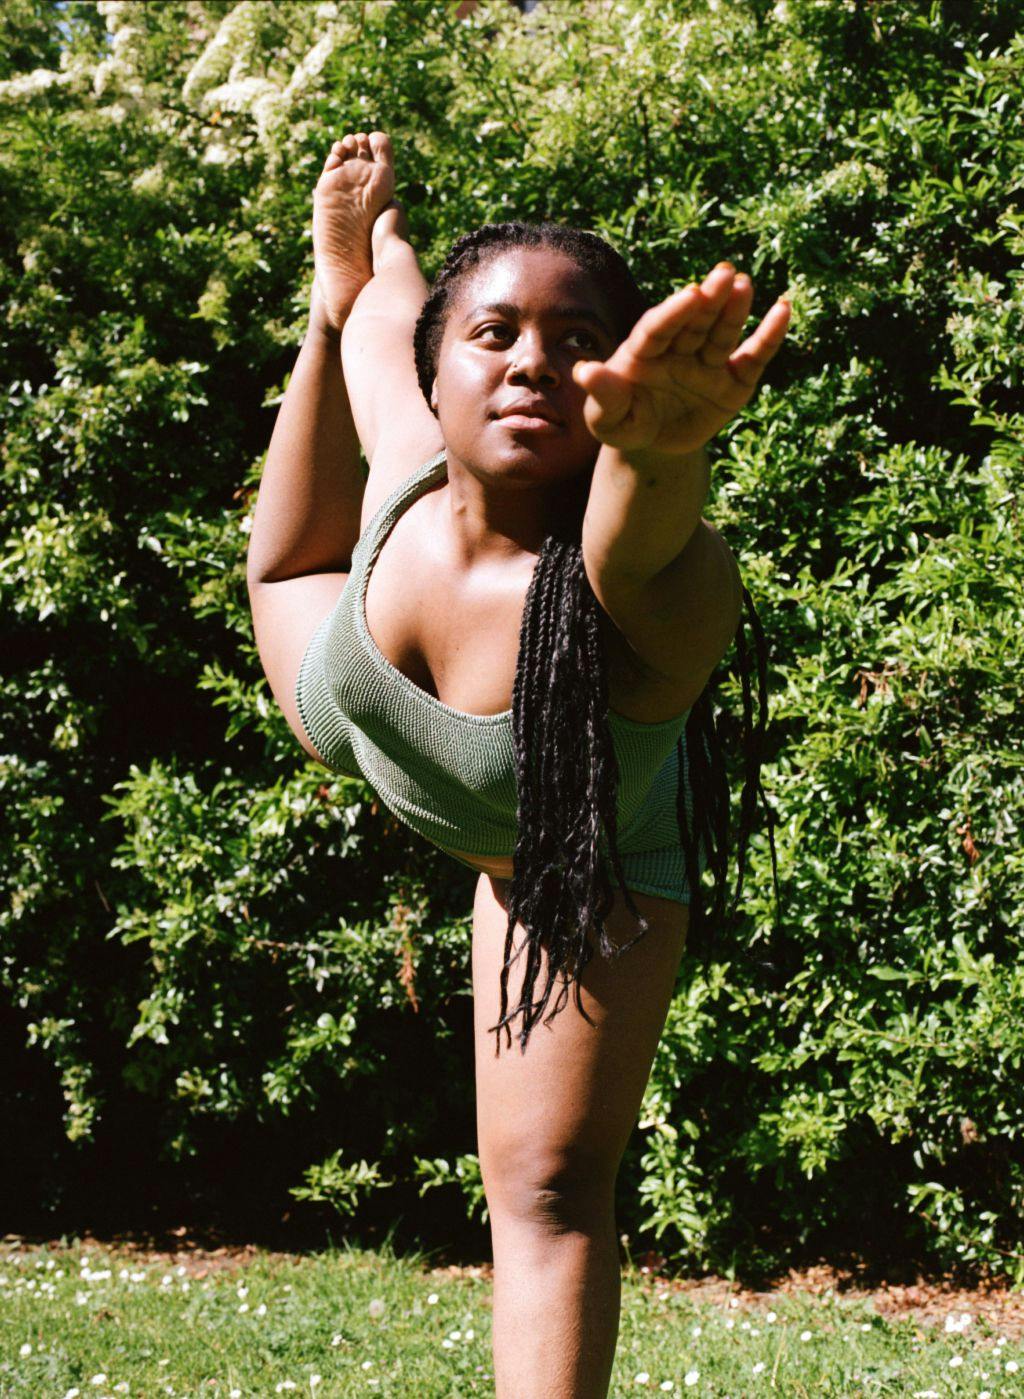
[357, 183]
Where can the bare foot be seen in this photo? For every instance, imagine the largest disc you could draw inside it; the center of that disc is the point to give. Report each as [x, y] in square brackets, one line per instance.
[357, 181]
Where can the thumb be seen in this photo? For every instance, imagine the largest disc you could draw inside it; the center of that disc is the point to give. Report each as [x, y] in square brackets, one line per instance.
[610, 395]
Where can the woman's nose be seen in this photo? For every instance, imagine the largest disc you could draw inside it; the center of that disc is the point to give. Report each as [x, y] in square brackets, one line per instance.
[530, 359]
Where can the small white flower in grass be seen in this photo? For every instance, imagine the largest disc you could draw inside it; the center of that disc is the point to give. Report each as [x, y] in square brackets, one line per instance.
[455, 1335]
[865, 1326]
[771, 1317]
[734, 1301]
[1011, 1367]
[805, 1335]
[335, 1340]
[314, 1380]
[470, 1335]
[642, 1378]
[431, 1299]
[234, 1394]
[376, 1307]
[758, 1367]
[72, 1394]
[729, 1323]
[447, 1343]
[666, 1385]
[26, 1349]
[261, 1310]
[691, 1377]
[985, 1394]
[285, 1384]
[367, 1364]
[696, 1331]
[243, 1291]
[955, 1360]
[244, 1307]
[1001, 1341]
[122, 1388]
[98, 1379]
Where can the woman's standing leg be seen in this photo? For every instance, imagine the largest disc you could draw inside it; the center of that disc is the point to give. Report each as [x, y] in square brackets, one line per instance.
[552, 1127]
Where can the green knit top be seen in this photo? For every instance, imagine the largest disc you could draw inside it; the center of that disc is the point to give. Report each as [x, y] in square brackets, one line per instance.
[449, 775]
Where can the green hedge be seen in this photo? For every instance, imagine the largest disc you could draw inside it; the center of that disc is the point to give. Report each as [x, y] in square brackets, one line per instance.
[208, 939]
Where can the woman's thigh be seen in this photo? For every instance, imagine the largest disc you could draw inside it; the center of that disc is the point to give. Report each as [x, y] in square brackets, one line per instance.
[565, 1109]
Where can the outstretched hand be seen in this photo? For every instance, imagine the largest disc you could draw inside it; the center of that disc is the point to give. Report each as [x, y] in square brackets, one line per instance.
[679, 377]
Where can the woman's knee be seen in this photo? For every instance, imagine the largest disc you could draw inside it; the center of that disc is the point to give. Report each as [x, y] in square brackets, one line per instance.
[568, 1190]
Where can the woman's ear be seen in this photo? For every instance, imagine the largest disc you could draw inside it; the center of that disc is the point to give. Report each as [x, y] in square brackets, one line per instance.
[433, 396]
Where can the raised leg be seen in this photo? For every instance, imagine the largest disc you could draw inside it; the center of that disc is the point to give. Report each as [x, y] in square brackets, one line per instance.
[552, 1126]
[397, 430]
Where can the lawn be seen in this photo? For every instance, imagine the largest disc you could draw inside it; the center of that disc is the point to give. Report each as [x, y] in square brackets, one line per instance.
[87, 1321]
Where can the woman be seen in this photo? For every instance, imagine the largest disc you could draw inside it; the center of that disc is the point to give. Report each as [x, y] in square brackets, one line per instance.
[536, 608]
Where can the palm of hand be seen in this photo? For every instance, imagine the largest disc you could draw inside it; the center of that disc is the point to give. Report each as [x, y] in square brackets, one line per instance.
[679, 377]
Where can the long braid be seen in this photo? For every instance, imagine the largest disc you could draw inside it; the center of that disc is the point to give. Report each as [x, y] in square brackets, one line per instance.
[567, 775]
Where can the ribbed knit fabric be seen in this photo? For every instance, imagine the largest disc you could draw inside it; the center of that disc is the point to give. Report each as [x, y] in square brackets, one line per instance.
[451, 776]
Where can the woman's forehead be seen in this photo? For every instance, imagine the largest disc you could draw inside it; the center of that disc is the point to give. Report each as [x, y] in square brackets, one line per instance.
[533, 279]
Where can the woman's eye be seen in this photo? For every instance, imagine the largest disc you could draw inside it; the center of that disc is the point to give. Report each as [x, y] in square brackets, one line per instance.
[495, 330]
[591, 340]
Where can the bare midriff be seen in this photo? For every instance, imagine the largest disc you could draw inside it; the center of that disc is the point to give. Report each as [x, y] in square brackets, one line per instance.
[497, 866]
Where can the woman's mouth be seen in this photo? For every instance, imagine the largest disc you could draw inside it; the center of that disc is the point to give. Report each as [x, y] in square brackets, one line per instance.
[524, 422]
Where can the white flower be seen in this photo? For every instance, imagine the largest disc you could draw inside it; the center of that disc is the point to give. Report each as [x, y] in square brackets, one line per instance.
[691, 1377]
[642, 1378]
[98, 1379]
[696, 1331]
[431, 1299]
[758, 1367]
[805, 1335]
[314, 1380]
[376, 1307]
[956, 1360]
[26, 1349]
[771, 1317]
[1011, 1367]
[27, 84]
[666, 1385]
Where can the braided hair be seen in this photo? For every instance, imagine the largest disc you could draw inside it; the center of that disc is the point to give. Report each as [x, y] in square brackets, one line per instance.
[566, 769]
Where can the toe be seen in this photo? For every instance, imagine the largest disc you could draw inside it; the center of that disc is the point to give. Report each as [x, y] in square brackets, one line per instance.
[380, 145]
[364, 145]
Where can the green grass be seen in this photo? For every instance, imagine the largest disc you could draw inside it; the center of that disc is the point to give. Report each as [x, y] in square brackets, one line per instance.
[372, 1324]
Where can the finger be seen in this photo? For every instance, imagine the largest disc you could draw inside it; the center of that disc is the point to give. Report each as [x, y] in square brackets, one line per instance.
[724, 335]
[685, 316]
[611, 396]
[748, 363]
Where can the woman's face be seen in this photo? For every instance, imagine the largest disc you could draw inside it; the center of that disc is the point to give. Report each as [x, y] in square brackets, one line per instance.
[518, 324]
